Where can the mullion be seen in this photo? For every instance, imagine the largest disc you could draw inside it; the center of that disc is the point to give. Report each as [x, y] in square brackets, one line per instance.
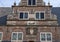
[31, 2]
[17, 35]
[23, 15]
[46, 36]
[39, 15]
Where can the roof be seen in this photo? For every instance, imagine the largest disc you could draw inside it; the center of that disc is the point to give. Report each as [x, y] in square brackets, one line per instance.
[4, 11]
[56, 11]
[3, 20]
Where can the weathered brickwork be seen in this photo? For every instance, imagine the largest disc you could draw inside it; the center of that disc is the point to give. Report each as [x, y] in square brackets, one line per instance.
[7, 30]
[15, 24]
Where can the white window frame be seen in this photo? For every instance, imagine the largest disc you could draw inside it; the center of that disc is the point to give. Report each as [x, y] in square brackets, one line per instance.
[2, 36]
[45, 36]
[31, 4]
[39, 17]
[23, 12]
[17, 38]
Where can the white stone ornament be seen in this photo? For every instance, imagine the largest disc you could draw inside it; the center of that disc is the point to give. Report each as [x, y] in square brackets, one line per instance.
[31, 31]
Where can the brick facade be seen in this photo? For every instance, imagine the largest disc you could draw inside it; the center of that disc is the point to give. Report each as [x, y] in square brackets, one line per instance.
[15, 24]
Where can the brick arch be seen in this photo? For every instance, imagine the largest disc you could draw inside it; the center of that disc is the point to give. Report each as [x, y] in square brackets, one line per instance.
[17, 29]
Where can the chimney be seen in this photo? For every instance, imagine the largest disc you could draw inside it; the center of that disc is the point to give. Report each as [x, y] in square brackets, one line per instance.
[14, 3]
[48, 3]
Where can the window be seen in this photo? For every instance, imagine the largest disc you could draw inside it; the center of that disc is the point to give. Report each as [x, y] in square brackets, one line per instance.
[42, 36]
[31, 2]
[17, 36]
[1, 36]
[23, 15]
[39, 15]
[46, 36]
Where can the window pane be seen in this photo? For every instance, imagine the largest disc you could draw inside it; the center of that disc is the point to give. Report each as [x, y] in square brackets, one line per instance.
[21, 15]
[29, 2]
[19, 36]
[0, 36]
[33, 2]
[43, 37]
[26, 15]
[48, 37]
[42, 15]
[14, 36]
[37, 15]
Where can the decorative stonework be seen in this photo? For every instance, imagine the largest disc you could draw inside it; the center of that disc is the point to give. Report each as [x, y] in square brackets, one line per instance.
[31, 31]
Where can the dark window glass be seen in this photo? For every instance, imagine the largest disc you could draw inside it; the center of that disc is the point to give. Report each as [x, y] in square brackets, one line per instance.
[48, 37]
[29, 2]
[19, 36]
[21, 15]
[43, 37]
[26, 15]
[42, 15]
[33, 2]
[0, 36]
[14, 36]
[37, 15]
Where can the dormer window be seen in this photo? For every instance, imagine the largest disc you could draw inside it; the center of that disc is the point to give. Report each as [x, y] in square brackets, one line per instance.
[39, 15]
[31, 2]
[23, 15]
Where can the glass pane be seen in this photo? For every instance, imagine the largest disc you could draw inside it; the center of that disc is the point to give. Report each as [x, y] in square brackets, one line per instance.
[26, 15]
[42, 15]
[29, 2]
[19, 36]
[37, 15]
[14, 36]
[0, 36]
[49, 37]
[21, 15]
[43, 37]
[33, 2]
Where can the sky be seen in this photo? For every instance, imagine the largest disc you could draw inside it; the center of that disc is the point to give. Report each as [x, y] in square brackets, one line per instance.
[9, 3]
